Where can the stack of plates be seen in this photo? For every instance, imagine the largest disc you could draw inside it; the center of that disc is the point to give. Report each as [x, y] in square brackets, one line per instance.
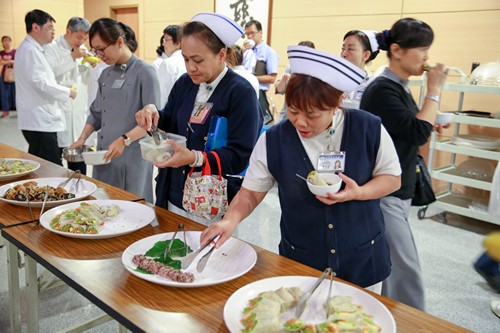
[477, 141]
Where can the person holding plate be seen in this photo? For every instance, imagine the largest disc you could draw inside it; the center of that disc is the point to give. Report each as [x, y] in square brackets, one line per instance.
[208, 89]
[127, 85]
[344, 231]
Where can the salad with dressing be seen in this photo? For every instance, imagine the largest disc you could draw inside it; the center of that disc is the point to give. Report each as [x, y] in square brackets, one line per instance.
[85, 219]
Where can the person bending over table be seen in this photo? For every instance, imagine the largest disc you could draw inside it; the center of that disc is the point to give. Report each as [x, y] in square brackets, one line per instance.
[215, 90]
[344, 231]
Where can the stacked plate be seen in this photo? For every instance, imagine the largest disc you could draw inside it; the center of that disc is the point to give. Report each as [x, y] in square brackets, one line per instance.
[477, 141]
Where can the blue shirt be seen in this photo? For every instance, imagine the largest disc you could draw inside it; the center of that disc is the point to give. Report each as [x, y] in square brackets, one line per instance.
[265, 53]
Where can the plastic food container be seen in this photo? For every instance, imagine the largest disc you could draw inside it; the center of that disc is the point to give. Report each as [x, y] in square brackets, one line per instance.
[160, 153]
[444, 118]
[95, 157]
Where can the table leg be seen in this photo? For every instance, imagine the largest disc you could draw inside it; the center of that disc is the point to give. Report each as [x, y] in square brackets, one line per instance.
[14, 291]
[31, 294]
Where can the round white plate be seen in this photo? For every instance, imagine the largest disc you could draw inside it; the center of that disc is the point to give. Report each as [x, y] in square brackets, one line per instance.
[4, 178]
[133, 216]
[477, 141]
[314, 312]
[85, 189]
[233, 259]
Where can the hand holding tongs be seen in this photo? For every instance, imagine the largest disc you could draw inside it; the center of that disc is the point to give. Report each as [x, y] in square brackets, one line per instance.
[304, 299]
[187, 260]
[155, 134]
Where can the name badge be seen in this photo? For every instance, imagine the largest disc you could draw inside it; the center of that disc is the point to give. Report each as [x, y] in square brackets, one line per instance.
[200, 112]
[118, 84]
[331, 162]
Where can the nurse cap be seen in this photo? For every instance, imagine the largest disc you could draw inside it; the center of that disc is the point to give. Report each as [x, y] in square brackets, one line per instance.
[372, 37]
[222, 26]
[329, 68]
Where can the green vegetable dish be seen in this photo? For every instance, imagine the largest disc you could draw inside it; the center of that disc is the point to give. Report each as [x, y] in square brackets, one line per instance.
[178, 249]
[12, 167]
[85, 219]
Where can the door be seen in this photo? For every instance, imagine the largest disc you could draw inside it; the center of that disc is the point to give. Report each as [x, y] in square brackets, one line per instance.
[129, 16]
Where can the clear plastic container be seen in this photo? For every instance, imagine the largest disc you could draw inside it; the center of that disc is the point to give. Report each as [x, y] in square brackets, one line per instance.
[160, 153]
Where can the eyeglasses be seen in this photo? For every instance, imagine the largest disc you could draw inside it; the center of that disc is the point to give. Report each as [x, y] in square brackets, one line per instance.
[100, 52]
[166, 39]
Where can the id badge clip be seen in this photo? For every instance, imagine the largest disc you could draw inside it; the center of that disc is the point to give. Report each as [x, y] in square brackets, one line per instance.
[331, 162]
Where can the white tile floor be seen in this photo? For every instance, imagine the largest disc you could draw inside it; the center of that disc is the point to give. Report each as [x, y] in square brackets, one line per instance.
[454, 291]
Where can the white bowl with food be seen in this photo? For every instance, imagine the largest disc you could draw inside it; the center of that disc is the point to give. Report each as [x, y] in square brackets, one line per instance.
[444, 118]
[95, 157]
[322, 183]
[160, 153]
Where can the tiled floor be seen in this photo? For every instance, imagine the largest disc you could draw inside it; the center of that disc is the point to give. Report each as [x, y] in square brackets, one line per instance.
[454, 291]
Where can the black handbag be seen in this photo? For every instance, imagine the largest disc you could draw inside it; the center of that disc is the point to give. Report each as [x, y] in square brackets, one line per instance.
[424, 195]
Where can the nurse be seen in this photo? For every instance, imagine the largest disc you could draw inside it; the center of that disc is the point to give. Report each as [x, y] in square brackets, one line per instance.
[124, 87]
[216, 90]
[359, 47]
[344, 231]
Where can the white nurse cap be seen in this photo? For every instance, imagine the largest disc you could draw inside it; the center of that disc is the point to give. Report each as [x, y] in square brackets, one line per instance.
[372, 37]
[334, 70]
[222, 26]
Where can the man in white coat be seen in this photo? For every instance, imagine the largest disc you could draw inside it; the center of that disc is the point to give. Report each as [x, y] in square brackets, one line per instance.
[65, 55]
[38, 113]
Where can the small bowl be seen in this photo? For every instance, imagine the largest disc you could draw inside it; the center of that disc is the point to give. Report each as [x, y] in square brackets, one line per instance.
[74, 155]
[95, 157]
[331, 178]
[444, 118]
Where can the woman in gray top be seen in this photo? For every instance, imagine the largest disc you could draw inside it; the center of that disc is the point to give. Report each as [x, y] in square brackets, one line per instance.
[125, 87]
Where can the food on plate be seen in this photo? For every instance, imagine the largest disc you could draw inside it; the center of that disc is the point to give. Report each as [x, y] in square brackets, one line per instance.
[264, 312]
[162, 270]
[85, 219]
[36, 193]
[315, 178]
[12, 167]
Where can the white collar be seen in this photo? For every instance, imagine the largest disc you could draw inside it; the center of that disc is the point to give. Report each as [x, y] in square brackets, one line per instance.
[213, 85]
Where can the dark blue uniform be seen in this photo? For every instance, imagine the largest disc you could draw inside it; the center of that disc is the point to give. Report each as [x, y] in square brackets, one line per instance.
[233, 98]
[349, 237]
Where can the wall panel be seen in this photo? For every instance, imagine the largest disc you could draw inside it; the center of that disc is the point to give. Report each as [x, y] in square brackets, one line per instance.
[433, 6]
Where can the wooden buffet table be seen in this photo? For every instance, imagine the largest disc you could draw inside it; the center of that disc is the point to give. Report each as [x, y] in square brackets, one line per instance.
[94, 269]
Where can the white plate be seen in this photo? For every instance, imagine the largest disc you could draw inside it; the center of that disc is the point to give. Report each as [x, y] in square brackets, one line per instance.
[85, 189]
[477, 141]
[233, 259]
[314, 312]
[4, 178]
[133, 216]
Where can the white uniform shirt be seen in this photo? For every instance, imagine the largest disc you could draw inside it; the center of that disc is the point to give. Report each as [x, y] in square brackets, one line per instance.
[240, 69]
[70, 73]
[259, 179]
[37, 91]
[169, 71]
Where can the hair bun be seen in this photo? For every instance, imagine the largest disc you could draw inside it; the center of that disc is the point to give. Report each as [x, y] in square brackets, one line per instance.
[383, 40]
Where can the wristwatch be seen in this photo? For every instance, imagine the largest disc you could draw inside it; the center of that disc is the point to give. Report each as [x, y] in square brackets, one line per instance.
[126, 140]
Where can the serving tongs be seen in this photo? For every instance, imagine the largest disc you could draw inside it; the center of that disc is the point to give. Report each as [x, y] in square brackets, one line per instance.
[45, 197]
[71, 176]
[187, 260]
[304, 299]
[155, 134]
[29, 206]
[180, 227]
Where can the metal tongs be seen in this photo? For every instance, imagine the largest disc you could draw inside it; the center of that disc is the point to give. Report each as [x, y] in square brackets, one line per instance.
[155, 134]
[46, 195]
[187, 260]
[71, 176]
[180, 227]
[304, 299]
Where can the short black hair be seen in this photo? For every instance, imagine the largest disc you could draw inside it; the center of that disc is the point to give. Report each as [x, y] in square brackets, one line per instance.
[252, 22]
[175, 32]
[37, 16]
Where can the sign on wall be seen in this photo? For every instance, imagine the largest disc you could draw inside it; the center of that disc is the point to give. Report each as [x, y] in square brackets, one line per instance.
[242, 11]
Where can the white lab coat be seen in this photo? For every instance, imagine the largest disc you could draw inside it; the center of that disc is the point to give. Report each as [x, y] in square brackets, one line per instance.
[70, 73]
[37, 91]
[168, 72]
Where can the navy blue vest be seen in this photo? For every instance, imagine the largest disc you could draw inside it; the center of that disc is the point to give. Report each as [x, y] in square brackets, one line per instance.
[349, 237]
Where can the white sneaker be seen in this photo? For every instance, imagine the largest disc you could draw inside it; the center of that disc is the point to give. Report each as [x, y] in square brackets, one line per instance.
[495, 307]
